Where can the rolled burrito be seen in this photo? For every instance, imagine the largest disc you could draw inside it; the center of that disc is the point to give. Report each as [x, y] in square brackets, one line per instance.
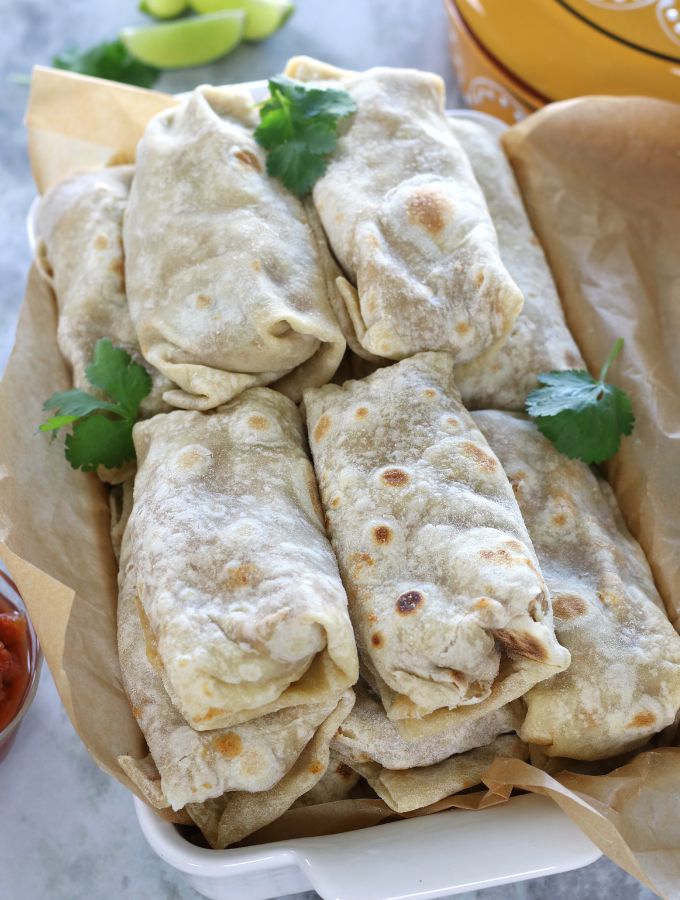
[407, 221]
[195, 766]
[226, 551]
[448, 604]
[540, 340]
[409, 789]
[234, 816]
[227, 283]
[368, 736]
[80, 251]
[623, 684]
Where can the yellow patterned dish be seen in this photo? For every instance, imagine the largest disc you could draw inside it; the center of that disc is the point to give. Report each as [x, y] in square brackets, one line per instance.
[535, 51]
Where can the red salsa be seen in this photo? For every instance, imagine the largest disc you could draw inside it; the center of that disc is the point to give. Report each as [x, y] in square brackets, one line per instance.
[15, 661]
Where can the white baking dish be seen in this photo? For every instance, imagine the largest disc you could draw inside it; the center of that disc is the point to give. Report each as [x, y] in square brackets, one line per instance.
[432, 856]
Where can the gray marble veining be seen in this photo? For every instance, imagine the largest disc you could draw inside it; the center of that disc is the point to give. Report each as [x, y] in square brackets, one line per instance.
[73, 834]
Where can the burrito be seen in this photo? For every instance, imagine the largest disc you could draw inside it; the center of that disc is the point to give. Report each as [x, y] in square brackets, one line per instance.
[228, 285]
[80, 252]
[442, 580]
[623, 684]
[236, 815]
[408, 223]
[368, 736]
[540, 340]
[409, 789]
[226, 551]
[195, 766]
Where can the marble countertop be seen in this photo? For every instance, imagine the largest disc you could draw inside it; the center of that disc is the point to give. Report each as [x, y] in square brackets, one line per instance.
[73, 833]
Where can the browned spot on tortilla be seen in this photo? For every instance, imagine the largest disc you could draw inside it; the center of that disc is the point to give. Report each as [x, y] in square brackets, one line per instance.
[335, 502]
[518, 644]
[513, 544]
[428, 208]
[409, 602]
[501, 557]
[481, 457]
[573, 361]
[377, 639]
[495, 367]
[117, 266]
[395, 477]
[382, 534]
[462, 328]
[452, 422]
[206, 691]
[642, 720]
[256, 265]
[372, 617]
[149, 636]
[569, 606]
[429, 393]
[359, 560]
[315, 767]
[248, 158]
[207, 785]
[240, 576]
[203, 301]
[479, 279]
[322, 427]
[259, 423]
[339, 217]
[482, 603]
[559, 519]
[212, 713]
[101, 242]
[136, 711]
[361, 413]
[190, 457]
[607, 598]
[229, 744]
[344, 771]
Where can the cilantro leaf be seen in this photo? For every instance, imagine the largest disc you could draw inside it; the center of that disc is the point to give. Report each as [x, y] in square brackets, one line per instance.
[99, 441]
[77, 403]
[297, 168]
[102, 429]
[298, 128]
[585, 418]
[109, 60]
[113, 371]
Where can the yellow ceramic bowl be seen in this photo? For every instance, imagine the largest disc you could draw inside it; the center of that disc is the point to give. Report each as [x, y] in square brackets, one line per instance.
[542, 50]
[484, 83]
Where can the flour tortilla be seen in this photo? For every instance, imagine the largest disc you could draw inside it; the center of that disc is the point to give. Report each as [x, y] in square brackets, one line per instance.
[227, 284]
[623, 684]
[198, 765]
[407, 221]
[448, 605]
[80, 252]
[410, 789]
[234, 816]
[226, 551]
[540, 340]
[368, 736]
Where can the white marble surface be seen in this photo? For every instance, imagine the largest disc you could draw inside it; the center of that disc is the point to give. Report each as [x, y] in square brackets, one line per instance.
[67, 830]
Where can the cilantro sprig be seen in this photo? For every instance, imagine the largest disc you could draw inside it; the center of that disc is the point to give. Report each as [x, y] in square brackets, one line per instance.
[584, 418]
[298, 128]
[102, 429]
[109, 60]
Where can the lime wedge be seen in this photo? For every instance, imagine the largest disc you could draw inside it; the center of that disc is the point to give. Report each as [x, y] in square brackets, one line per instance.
[163, 9]
[263, 17]
[187, 42]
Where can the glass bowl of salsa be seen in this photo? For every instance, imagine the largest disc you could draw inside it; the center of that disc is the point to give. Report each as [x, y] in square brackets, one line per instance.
[20, 660]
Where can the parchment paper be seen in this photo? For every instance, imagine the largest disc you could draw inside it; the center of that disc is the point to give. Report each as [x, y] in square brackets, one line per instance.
[600, 177]
[54, 521]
